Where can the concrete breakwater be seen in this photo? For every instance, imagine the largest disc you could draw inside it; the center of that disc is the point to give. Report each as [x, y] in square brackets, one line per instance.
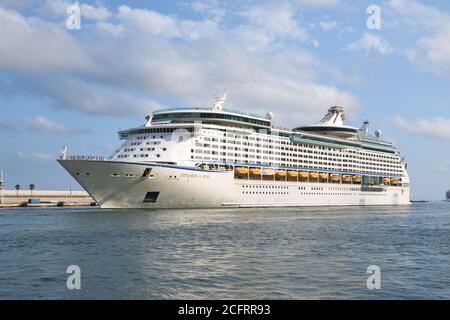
[13, 198]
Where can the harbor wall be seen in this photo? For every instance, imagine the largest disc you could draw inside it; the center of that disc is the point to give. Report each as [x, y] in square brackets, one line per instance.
[13, 197]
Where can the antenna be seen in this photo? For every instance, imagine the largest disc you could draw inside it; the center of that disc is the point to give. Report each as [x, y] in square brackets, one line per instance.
[64, 153]
[334, 117]
[219, 101]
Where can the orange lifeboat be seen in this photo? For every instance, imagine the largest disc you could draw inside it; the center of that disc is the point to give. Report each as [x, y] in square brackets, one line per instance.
[314, 175]
[347, 178]
[323, 176]
[335, 177]
[280, 173]
[292, 174]
[303, 174]
[241, 170]
[255, 171]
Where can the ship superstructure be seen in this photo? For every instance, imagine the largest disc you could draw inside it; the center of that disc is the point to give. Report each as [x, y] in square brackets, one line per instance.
[218, 157]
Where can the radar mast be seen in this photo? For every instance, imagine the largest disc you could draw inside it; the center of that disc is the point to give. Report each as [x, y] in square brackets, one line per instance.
[219, 101]
[334, 117]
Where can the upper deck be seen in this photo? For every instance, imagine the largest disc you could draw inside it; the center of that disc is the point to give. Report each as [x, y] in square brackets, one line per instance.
[223, 116]
[330, 131]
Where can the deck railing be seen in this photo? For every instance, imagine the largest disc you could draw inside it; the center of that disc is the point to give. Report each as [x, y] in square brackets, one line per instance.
[91, 158]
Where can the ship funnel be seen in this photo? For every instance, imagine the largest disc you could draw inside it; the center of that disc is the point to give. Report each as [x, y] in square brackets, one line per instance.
[365, 127]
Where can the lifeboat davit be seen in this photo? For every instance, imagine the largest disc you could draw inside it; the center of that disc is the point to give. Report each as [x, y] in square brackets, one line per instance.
[268, 172]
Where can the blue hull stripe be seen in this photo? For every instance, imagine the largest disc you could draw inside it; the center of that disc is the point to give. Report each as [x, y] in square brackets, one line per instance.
[241, 165]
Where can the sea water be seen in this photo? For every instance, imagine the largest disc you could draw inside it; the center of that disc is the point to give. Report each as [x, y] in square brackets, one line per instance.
[282, 253]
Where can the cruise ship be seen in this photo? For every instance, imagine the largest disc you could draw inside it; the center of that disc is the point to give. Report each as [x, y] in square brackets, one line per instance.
[215, 157]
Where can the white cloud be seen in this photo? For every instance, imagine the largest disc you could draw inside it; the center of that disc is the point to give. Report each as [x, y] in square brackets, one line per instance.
[370, 42]
[116, 30]
[143, 57]
[52, 48]
[432, 50]
[156, 24]
[17, 4]
[317, 3]
[435, 127]
[415, 14]
[328, 25]
[38, 156]
[54, 7]
[444, 166]
[149, 21]
[44, 125]
[274, 21]
[210, 7]
[202, 6]
[432, 53]
[95, 13]
[57, 9]
[90, 97]
[4, 126]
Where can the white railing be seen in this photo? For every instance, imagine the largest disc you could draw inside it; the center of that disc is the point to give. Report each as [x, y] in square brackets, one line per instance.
[92, 158]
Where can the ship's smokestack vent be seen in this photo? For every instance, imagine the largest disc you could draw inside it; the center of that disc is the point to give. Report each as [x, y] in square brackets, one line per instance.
[365, 127]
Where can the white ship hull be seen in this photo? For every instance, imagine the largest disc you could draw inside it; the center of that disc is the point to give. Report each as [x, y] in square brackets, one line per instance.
[121, 185]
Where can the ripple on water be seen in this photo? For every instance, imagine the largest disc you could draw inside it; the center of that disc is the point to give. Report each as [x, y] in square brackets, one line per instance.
[293, 253]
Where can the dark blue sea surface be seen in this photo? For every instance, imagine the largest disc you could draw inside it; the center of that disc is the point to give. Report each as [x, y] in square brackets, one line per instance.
[301, 253]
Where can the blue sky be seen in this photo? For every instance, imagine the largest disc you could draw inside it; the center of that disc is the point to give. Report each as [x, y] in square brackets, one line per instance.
[294, 58]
